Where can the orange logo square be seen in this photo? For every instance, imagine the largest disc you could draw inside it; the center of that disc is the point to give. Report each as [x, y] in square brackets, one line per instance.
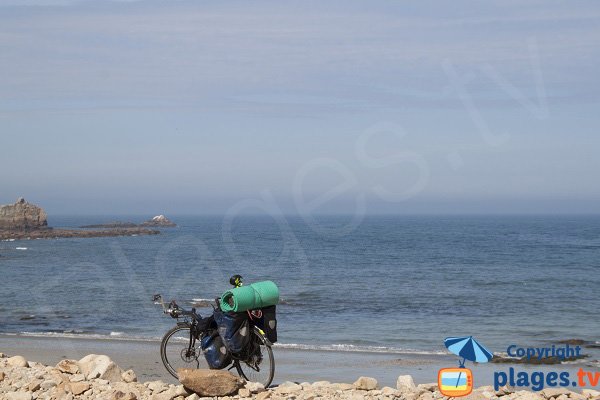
[455, 382]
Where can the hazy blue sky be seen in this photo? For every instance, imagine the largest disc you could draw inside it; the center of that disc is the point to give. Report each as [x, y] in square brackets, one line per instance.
[195, 106]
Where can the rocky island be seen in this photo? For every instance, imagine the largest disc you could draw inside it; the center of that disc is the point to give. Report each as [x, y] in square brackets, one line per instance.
[160, 221]
[23, 220]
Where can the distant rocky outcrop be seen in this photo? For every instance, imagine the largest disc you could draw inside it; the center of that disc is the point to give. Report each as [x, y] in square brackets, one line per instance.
[22, 216]
[159, 220]
[114, 224]
[24, 220]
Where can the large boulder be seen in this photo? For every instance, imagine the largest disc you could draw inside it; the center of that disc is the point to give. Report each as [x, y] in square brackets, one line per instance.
[99, 366]
[208, 382]
[22, 216]
[406, 384]
[365, 383]
[18, 361]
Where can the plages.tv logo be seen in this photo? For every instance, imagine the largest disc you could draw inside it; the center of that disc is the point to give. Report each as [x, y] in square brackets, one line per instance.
[457, 382]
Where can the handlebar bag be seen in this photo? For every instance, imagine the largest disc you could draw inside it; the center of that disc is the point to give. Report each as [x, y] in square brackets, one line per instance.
[268, 323]
[234, 329]
[215, 352]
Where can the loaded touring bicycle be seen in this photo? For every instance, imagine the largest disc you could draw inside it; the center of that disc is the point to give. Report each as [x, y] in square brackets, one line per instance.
[239, 335]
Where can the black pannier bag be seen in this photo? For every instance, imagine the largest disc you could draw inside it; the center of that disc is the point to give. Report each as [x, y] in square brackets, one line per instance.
[268, 323]
[234, 328]
[215, 352]
[206, 324]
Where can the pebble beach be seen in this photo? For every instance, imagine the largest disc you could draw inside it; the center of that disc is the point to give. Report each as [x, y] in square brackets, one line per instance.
[99, 377]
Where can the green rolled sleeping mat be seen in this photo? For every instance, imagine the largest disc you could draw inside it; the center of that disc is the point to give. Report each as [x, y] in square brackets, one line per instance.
[251, 297]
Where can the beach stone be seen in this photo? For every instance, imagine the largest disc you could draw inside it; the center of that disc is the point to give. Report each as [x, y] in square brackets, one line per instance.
[263, 395]
[47, 384]
[129, 376]
[255, 387]
[357, 396]
[180, 390]
[432, 387]
[554, 392]
[411, 395]
[18, 361]
[2, 355]
[157, 386]
[406, 384]
[34, 385]
[590, 393]
[341, 386]
[526, 395]
[288, 387]
[193, 396]
[321, 384]
[488, 394]
[100, 366]
[77, 378]
[474, 395]
[207, 382]
[78, 387]
[68, 366]
[168, 394]
[577, 396]
[429, 396]
[118, 395]
[503, 390]
[365, 383]
[2, 376]
[18, 396]
[243, 392]
[388, 391]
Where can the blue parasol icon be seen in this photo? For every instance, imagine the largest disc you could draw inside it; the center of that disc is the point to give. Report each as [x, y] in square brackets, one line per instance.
[468, 349]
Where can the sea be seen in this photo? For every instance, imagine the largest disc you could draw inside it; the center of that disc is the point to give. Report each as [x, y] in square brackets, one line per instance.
[389, 284]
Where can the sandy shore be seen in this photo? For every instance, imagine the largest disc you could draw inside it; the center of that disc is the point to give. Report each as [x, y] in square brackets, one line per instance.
[291, 365]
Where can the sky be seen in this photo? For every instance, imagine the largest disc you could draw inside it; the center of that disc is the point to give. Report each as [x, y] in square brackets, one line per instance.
[197, 107]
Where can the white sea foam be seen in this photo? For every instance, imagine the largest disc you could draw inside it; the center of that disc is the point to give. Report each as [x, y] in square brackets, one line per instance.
[291, 346]
[20, 248]
[73, 334]
[356, 349]
[202, 302]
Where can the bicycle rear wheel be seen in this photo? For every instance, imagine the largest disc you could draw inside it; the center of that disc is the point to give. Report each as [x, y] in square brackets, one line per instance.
[259, 365]
[175, 350]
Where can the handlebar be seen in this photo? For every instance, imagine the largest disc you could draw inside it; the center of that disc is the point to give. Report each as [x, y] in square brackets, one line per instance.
[174, 310]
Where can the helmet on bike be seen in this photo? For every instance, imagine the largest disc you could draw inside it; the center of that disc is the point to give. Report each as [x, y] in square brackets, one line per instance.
[236, 280]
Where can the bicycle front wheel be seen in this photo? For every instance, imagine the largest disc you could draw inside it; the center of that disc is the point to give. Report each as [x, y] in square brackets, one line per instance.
[176, 352]
[259, 365]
